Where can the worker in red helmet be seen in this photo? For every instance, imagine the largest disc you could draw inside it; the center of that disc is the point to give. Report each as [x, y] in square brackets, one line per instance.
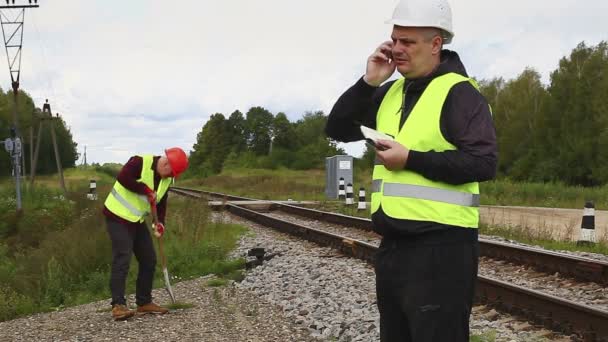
[143, 180]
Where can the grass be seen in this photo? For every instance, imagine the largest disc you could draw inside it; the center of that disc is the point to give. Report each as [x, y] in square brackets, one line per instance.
[279, 184]
[223, 279]
[57, 253]
[180, 306]
[545, 238]
[172, 306]
[551, 195]
[216, 282]
[488, 336]
[252, 310]
[310, 185]
[217, 296]
[341, 208]
[236, 275]
[282, 184]
[194, 245]
[75, 178]
[533, 233]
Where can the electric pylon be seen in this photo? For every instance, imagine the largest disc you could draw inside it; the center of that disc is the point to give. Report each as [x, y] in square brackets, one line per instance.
[12, 26]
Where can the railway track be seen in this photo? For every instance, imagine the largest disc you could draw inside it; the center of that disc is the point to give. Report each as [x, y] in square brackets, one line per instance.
[589, 322]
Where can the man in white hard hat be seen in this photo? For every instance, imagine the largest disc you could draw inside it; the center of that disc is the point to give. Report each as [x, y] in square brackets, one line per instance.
[425, 191]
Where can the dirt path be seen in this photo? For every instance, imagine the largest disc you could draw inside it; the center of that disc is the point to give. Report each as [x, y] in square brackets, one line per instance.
[220, 314]
[561, 224]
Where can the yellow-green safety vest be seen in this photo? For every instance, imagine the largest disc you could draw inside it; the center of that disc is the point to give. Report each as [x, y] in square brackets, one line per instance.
[132, 206]
[408, 195]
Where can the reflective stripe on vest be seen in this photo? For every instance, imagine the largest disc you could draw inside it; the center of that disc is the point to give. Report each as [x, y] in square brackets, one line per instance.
[431, 194]
[407, 195]
[132, 206]
[126, 203]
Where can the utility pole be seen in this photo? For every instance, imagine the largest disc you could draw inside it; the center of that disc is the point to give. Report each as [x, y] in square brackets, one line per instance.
[14, 29]
[32, 142]
[57, 158]
[85, 156]
[47, 115]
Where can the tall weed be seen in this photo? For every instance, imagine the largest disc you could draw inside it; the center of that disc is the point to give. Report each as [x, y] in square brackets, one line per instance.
[68, 261]
[281, 184]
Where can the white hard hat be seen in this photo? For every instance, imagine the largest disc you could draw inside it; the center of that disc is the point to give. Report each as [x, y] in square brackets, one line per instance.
[424, 13]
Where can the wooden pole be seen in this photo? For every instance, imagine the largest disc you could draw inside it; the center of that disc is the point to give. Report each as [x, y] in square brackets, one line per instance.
[57, 159]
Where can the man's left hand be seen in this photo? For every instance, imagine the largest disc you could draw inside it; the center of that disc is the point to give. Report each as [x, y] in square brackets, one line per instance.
[393, 156]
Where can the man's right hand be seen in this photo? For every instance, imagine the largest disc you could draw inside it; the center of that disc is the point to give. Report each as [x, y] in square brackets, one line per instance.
[380, 65]
[159, 229]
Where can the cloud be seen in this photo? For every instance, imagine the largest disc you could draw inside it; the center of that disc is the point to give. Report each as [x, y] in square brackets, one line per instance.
[142, 75]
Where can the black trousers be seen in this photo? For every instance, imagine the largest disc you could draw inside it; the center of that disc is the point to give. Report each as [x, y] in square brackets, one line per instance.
[425, 291]
[127, 241]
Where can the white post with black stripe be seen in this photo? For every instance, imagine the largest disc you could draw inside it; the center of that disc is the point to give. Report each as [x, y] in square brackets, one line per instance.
[349, 194]
[361, 205]
[92, 195]
[341, 191]
[588, 225]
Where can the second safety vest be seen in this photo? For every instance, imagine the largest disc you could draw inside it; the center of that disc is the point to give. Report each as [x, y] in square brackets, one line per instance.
[404, 194]
[132, 206]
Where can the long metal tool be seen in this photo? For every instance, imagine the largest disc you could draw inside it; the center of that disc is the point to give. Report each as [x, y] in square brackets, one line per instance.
[163, 260]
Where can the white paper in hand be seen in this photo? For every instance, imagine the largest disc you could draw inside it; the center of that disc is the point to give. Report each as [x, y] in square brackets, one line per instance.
[374, 135]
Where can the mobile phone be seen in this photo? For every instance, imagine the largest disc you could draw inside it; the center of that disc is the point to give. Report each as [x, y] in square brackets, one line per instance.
[371, 136]
[389, 55]
[373, 144]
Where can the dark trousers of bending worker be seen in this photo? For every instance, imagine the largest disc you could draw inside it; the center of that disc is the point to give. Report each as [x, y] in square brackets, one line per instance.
[125, 242]
[425, 288]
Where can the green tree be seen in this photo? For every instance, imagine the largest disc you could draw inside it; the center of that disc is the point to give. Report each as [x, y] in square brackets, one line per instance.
[236, 132]
[67, 148]
[28, 117]
[574, 127]
[310, 128]
[258, 130]
[313, 145]
[517, 108]
[491, 89]
[368, 157]
[210, 148]
[283, 133]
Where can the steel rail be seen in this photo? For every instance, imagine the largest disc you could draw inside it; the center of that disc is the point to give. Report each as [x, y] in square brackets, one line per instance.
[552, 312]
[549, 311]
[182, 190]
[579, 268]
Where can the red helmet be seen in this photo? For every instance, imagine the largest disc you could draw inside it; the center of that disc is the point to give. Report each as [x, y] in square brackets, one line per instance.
[177, 159]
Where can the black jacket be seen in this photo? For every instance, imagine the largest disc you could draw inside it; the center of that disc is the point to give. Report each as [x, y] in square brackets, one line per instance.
[466, 122]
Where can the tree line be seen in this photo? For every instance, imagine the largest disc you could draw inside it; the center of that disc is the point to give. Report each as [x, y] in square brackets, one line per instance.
[260, 139]
[28, 116]
[556, 132]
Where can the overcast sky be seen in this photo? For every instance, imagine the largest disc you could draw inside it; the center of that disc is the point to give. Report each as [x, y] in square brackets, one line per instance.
[136, 76]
